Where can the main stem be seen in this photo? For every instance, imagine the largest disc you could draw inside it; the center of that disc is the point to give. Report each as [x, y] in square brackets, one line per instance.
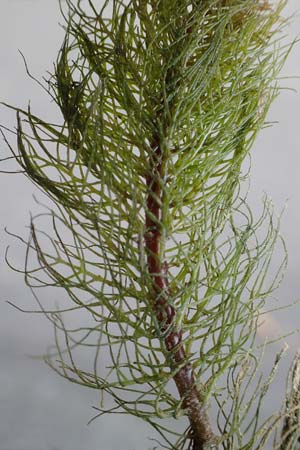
[201, 432]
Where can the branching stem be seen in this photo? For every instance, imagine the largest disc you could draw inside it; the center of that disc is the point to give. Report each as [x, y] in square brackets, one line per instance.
[201, 432]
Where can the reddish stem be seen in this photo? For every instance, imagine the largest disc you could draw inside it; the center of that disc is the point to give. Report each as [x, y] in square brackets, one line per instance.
[184, 378]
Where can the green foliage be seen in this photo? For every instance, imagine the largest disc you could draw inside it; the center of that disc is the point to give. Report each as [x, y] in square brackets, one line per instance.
[197, 77]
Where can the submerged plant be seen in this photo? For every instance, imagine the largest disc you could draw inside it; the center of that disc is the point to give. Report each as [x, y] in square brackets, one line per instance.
[152, 234]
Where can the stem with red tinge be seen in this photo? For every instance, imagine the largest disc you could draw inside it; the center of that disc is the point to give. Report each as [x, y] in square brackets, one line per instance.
[201, 432]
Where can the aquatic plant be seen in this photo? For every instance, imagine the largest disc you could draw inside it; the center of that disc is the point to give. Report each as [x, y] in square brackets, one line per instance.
[153, 240]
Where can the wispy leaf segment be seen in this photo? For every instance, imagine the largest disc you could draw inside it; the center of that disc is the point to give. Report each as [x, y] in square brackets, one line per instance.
[152, 236]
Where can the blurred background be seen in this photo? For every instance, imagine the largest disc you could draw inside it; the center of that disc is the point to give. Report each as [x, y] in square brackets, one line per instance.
[39, 410]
